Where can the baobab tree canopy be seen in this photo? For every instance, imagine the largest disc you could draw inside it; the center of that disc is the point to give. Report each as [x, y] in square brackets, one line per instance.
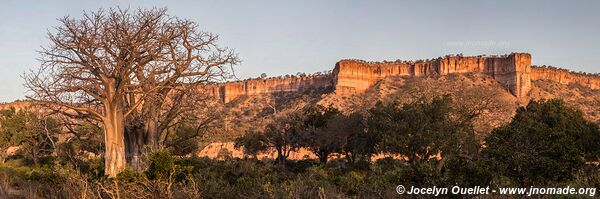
[113, 64]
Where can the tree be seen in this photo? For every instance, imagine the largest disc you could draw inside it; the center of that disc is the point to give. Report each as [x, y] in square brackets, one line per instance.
[360, 144]
[124, 67]
[87, 140]
[547, 141]
[252, 143]
[421, 130]
[282, 135]
[149, 127]
[10, 124]
[319, 133]
[35, 135]
[183, 133]
[184, 139]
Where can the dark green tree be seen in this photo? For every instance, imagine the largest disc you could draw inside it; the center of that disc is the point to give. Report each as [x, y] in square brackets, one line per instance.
[252, 143]
[359, 143]
[321, 133]
[86, 141]
[422, 130]
[546, 142]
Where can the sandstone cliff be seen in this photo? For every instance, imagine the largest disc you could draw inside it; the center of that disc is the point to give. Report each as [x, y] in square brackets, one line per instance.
[565, 77]
[355, 76]
[513, 71]
[231, 90]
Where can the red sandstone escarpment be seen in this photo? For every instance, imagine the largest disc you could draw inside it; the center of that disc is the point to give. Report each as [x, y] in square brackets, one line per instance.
[231, 90]
[565, 77]
[513, 71]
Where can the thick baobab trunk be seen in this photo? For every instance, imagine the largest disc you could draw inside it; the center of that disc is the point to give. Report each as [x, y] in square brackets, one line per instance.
[114, 129]
[134, 146]
[140, 139]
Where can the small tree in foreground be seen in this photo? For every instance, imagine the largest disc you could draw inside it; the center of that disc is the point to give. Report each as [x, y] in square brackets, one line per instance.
[360, 144]
[281, 135]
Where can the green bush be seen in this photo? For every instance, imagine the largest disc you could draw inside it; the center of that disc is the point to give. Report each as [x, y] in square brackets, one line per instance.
[129, 175]
[94, 168]
[162, 165]
[44, 175]
[467, 173]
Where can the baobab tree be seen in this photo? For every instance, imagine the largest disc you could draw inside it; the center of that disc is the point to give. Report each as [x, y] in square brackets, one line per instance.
[123, 68]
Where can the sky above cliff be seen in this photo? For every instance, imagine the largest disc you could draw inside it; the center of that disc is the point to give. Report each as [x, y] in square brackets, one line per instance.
[286, 37]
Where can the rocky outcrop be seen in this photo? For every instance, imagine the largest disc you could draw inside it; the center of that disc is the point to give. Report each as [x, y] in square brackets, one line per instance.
[355, 76]
[513, 71]
[231, 90]
[221, 150]
[217, 149]
[565, 77]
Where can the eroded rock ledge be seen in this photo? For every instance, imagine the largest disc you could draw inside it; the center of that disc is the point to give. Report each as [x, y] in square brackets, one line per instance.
[514, 71]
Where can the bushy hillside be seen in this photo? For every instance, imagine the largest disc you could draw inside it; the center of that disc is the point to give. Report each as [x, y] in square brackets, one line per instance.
[584, 98]
[252, 113]
[491, 103]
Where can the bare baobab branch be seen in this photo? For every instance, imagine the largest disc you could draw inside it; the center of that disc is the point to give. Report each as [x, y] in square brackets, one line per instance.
[119, 65]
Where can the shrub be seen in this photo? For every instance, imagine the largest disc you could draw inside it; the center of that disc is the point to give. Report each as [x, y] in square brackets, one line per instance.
[162, 165]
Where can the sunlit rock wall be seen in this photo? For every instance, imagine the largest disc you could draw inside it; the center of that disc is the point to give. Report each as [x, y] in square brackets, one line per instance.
[565, 77]
[231, 90]
[513, 71]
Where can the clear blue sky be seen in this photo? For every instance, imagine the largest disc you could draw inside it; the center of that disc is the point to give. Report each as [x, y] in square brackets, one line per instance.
[285, 37]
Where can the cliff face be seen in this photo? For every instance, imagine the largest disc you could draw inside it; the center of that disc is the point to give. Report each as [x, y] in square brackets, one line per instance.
[231, 90]
[513, 71]
[565, 77]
